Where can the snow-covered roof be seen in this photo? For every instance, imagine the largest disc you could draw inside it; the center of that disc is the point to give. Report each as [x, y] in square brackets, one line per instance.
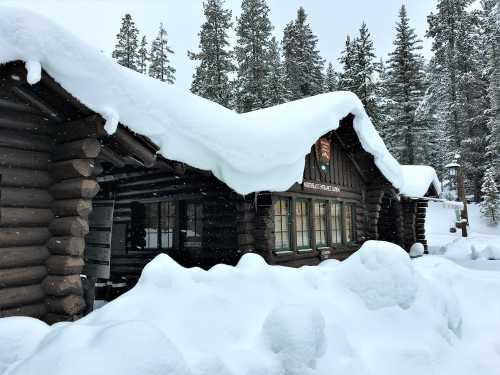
[418, 179]
[261, 150]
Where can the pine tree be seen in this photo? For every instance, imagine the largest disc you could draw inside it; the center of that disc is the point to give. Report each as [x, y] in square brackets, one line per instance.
[490, 20]
[331, 79]
[364, 68]
[405, 88]
[211, 79]
[143, 57]
[253, 31]
[302, 60]
[490, 206]
[160, 63]
[125, 51]
[274, 85]
[346, 78]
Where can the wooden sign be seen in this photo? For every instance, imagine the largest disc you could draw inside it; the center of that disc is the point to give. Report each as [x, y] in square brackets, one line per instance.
[323, 153]
[98, 241]
[320, 187]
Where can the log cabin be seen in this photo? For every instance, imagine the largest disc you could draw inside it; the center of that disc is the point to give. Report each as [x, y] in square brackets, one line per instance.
[75, 200]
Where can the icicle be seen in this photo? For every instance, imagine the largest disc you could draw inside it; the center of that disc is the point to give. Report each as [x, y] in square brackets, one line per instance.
[34, 71]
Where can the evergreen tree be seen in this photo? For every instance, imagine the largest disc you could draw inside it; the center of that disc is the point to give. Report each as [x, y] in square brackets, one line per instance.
[331, 80]
[346, 78]
[143, 57]
[405, 88]
[274, 88]
[490, 20]
[253, 31]
[125, 51]
[386, 106]
[303, 63]
[211, 79]
[490, 206]
[160, 63]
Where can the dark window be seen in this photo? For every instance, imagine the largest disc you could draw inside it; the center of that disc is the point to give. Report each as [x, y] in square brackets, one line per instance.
[336, 222]
[167, 216]
[320, 220]
[153, 225]
[281, 224]
[194, 220]
[349, 223]
[302, 224]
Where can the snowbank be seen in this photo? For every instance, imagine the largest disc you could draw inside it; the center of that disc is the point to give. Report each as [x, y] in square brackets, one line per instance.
[264, 150]
[376, 313]
[418, 179]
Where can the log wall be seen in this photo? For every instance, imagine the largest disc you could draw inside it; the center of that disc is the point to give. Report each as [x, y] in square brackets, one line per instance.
[25, 209]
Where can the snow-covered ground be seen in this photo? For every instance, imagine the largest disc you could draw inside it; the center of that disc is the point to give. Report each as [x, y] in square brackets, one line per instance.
[376, 313]
[474, 251]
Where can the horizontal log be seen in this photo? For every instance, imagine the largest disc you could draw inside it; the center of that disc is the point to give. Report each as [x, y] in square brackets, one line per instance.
[89, 127]
[134, 147]
[28, 178]
[37, 310]
[7, 105]
[64, 265]
[24, 141]
[22, 121]
[75, 188]
[70, 305]
[74, 168]
[87, 148]
[73, 246]
[21, 276]
[21, 295]
[23, 256]
[63, 285]
[10, 237]
[245, 239]
[13, 158]
[27, 217]
[71, 226]
[72, 207]
[107, 155]
[19, 197]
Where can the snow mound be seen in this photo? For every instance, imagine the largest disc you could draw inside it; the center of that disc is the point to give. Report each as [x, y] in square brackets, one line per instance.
[417, 250]
[422, 316]
[418, 179]
[262, 150]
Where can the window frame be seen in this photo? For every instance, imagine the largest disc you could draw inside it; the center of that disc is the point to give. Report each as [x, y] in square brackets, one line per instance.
[315, 203]
[309, 225]
[289, 227]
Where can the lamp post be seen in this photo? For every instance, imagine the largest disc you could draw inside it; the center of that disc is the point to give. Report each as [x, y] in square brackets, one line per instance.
[456, 173]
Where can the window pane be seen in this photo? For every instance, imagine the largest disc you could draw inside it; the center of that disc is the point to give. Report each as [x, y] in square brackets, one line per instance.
[320, 223]
[281, 220]
[349, 226]
[302, 224]
[167, 224]
[194, 220]
[151, 225]
[336, 222]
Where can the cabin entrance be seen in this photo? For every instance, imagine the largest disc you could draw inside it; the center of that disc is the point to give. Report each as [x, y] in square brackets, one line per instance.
[390, 220]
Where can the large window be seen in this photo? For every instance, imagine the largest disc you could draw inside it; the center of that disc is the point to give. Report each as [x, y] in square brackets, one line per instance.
[336, 222]
[153, 225]
[302, 224]
[349, 223]
[320, 219]
[194, 220]
[281, 224]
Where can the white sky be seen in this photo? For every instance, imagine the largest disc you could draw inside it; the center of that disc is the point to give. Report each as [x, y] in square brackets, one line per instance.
[97, 21]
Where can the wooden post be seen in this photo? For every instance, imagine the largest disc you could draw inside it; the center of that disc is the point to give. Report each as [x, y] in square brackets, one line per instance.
[461, 195]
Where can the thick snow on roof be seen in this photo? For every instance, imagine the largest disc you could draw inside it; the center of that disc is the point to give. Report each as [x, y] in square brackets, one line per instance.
[418, 179]
[263, 150]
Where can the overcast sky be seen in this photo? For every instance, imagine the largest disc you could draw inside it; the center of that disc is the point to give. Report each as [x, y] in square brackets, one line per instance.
[98, 21]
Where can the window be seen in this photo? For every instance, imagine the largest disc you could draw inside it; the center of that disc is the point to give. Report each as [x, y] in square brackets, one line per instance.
[194, 220]
[320, 223]
[281, 224]
[349, 223]
[302, 224]
[167, 224]
[153, 225]
[336, 222]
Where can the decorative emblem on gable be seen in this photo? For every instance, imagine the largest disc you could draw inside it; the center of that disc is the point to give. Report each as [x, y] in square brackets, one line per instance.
[323, 154]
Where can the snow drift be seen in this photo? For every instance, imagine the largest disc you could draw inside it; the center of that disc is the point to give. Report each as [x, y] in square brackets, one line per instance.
[262, 150]
[376, 313]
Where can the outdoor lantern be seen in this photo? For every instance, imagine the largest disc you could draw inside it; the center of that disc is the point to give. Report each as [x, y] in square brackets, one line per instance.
[453, 169]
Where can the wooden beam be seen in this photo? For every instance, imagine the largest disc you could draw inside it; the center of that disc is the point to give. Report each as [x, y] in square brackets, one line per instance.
[26, 217]
[134, 147]
[88, 127]
[87, 148]
[109, 156]
[73, 246]
[72, 226]
[13, 277]
[19, 296]
[69, 305]
[13, 158]
[26, 178]
[75, 189]
[35, 311]
[24, 141]
[72, 207]
[25, 122]
[64, 265]
[37, 103]
[62, 285]
[72, 169]
[18, 197]
[23, 236]
[23, 256]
